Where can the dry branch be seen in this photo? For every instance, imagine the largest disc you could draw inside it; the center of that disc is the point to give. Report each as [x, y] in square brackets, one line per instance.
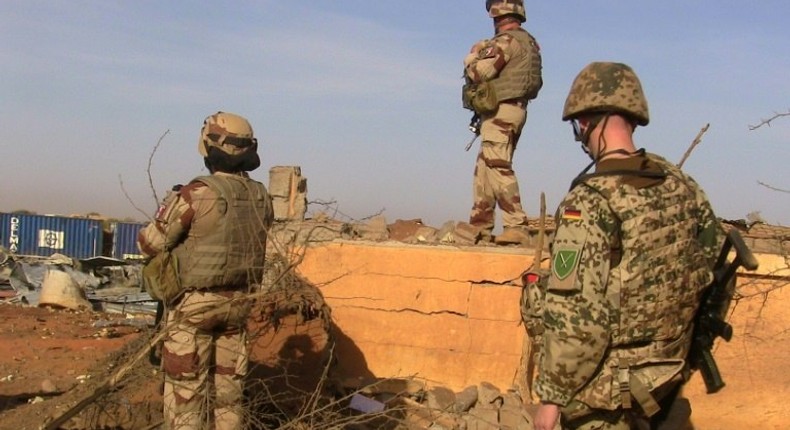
[150, 161]
[694, 143]
[772, 188]
[129, 198]
[150, 180]
[526, 370]
[768, 121]
[109, 385]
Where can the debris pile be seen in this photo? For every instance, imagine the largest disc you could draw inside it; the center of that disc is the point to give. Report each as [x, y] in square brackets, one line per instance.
[59, 281]
[409, 404]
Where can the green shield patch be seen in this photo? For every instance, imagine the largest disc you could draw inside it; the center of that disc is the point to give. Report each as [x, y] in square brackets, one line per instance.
[564, 263]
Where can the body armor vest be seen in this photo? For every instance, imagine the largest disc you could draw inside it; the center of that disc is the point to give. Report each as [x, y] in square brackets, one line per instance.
[522, 76]
[658, 273]
[656, 278]
[230, 252]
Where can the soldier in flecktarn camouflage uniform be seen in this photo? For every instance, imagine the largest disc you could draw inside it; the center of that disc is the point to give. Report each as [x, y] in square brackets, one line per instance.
[502, 75]
[215, 228]
[634, 249]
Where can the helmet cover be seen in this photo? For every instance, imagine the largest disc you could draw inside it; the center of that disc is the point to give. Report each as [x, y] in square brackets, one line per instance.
[605, 87]
[498, 8]
[228, 132]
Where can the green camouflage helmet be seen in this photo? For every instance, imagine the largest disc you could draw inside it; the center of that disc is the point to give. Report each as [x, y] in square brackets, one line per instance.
[607, 87]
[228, 132]
[497, 8]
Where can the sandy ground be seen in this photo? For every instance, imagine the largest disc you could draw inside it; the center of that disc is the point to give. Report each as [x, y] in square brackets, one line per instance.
[51, 358]
[753, 365]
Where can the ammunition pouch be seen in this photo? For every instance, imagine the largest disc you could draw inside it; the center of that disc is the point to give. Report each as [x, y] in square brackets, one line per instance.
[479, 97]
[161, 279]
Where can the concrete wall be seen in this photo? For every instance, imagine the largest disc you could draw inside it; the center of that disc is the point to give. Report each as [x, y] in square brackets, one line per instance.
[445, 314]
[450, 315]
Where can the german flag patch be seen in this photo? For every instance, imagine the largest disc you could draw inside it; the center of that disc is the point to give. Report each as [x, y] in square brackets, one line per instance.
[571, 213]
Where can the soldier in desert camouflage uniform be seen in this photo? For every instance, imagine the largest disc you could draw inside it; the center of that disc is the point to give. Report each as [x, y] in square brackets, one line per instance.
[634, 248]
[503, 74]
[215, 229]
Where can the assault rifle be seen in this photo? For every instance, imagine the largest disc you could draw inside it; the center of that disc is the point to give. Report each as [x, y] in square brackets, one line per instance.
[474, 127]
[709, 322]
[155, 353]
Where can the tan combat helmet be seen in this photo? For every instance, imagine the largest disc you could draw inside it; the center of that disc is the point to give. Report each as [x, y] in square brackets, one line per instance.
[607, 87]
[497, 8]
[228, 132]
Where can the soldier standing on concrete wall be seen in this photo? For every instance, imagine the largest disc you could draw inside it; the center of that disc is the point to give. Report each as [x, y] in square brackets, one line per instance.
[633, 251]
[502, 75]
[212, 233]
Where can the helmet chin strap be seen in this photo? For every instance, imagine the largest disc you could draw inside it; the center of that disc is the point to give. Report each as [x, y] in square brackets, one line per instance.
[585, 138]
[601, 140]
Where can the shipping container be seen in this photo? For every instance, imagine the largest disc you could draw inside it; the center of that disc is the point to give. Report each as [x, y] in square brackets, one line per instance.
[124, 240]
[44, 235]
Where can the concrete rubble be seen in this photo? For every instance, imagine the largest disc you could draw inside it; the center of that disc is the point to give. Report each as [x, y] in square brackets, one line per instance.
[411, 404]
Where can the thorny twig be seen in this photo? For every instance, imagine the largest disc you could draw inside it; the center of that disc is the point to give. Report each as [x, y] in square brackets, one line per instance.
[768, 121]
[332, 204]
[150, 161]
[150, 179]
[772, 188]
[129, 198]
[694, 143]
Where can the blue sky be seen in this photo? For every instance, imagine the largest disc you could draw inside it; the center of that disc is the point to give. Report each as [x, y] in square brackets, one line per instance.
[365, 97]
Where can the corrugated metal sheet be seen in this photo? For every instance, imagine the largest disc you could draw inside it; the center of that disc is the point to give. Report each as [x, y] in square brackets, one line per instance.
[44, 235]
[124, 240]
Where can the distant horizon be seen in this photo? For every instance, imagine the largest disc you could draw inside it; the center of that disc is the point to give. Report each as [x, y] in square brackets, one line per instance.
[749, 218]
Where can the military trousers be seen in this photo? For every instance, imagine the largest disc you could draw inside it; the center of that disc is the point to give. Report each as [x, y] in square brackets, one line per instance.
[205, 359]
[495, 182]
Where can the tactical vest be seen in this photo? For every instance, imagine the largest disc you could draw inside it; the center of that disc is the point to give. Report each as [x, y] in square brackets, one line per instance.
[522, 76]
[656, 280]
[230, 252]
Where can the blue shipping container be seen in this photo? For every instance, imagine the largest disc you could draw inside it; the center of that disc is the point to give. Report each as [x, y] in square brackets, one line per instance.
[124, 240]
[44, 235]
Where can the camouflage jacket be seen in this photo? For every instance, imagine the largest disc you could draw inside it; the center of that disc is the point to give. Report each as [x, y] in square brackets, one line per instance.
[633, 249]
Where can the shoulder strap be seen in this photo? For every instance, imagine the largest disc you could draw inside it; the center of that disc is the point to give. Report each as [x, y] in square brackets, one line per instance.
[623, 172]
[521, 36]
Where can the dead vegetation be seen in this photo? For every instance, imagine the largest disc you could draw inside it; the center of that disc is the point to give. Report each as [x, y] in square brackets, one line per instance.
[291, 384]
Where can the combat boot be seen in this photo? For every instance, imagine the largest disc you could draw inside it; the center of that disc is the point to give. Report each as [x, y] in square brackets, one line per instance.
[513, 236]
[485, 238]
